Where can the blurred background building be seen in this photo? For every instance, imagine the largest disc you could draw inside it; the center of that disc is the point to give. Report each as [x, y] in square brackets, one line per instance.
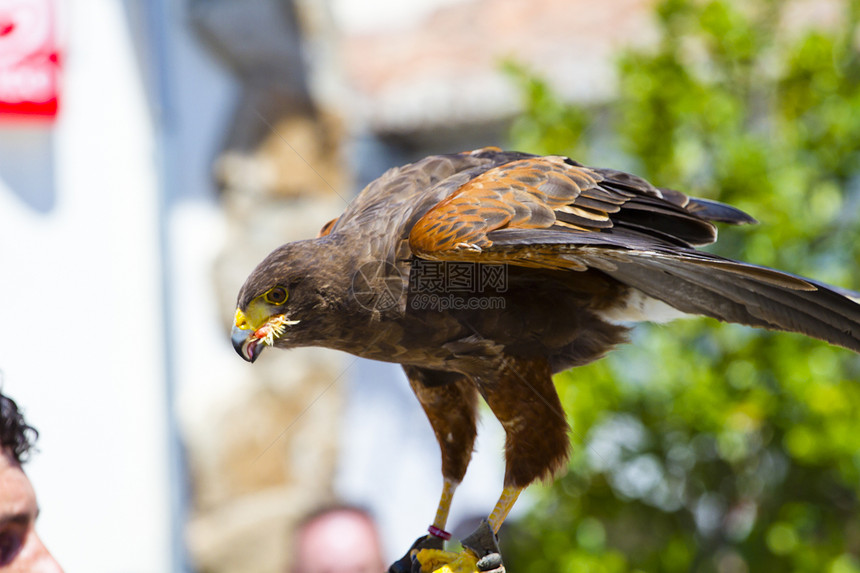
[191, 138]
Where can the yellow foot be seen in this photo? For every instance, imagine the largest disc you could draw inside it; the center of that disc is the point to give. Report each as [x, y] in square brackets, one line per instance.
[438, 561]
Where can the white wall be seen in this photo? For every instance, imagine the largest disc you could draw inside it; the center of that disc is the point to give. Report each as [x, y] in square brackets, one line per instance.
[80, 297]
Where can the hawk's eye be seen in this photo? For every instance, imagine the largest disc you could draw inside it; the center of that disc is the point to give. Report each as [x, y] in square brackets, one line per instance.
[277, 295]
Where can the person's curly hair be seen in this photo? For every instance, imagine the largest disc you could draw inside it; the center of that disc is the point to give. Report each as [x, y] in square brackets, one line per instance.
[15, 434]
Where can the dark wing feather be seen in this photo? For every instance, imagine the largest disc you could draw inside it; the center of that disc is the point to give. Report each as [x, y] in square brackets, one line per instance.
[701, 283]
[740, 295]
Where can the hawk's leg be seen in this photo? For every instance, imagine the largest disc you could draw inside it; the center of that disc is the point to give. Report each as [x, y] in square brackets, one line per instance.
[450, 401]
[537, 445]
[523, 398]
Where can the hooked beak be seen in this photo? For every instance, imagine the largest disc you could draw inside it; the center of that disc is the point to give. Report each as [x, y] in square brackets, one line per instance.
[244, 338]
[250, 342]
[246, 344]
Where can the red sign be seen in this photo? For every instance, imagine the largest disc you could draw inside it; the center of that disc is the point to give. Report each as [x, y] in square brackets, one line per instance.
[29, 64]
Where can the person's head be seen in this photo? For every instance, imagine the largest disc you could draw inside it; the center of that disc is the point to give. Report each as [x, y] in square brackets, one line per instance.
[21, 550]
[340, 539]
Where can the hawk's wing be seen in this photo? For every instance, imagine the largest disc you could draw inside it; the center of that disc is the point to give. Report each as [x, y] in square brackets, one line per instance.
[550, 212]
[559, 194]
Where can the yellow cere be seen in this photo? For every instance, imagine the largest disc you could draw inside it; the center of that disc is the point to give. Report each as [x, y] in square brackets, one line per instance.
[240, 320]
[439, 561]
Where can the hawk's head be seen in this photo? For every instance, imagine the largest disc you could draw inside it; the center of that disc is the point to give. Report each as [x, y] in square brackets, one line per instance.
[279, 294]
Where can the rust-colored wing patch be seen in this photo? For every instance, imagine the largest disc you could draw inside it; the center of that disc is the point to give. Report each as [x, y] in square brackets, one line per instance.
[532, 193]
[326, 229]
[553, 206]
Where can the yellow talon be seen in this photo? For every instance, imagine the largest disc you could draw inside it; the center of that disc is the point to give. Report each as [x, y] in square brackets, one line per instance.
[503, 507]
[448, 489]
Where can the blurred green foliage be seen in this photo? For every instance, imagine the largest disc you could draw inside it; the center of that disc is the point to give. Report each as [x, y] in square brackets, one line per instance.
[700, 446]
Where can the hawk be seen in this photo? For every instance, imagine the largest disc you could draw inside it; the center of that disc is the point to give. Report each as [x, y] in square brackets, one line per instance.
[570, 256]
